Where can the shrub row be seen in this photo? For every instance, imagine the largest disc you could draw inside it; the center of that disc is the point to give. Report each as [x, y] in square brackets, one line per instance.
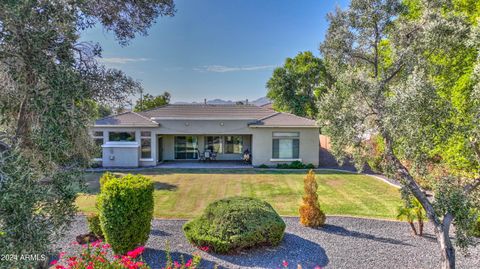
[295, 165]
[292, 165]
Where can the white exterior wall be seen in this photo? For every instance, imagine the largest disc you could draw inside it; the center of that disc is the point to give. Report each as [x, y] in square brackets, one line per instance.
[120, 155]
[260, 145]
[128, 158]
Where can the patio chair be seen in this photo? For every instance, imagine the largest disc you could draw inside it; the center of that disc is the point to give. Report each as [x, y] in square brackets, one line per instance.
[201, 156]
[213, 156]
[247, 157]
[207, 155]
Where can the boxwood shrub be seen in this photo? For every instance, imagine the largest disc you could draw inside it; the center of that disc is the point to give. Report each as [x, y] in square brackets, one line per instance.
[94, 224]
[236, 223]
[126, 209]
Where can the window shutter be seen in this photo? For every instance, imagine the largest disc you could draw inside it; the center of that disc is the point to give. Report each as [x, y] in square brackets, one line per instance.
[275, 149]
[296, 148]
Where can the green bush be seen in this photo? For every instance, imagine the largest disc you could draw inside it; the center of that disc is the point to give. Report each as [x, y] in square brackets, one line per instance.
[296, 165]
[476, 228]
[310, 166]
[283, 165]
[235, 223]
[94, 224]
[106, 177]
[263, 166]
[126, 210]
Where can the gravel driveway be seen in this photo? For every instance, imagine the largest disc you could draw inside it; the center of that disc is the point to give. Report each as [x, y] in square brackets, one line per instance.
[344, 242]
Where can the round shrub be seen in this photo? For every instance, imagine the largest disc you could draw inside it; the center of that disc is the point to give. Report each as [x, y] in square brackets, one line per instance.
[235, 223]
[126, 209]
[94, 224]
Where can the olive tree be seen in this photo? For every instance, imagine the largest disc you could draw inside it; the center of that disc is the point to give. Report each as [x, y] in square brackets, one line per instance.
[50, 88]
[381, 58]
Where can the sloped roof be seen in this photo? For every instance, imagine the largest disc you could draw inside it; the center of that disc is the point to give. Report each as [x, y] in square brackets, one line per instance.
[257, 116]
[127, 119]
[209, 111]
[285, 119]
[267, 105]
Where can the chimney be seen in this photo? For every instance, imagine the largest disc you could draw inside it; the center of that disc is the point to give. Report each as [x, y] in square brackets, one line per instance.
[205, 101]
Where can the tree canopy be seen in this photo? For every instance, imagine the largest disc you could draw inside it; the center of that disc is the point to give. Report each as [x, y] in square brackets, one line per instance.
[149, 101]
[407, 72]
[298, 84]
[50, 87]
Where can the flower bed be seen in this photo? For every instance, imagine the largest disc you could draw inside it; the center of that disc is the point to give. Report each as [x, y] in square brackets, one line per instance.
[99, 255]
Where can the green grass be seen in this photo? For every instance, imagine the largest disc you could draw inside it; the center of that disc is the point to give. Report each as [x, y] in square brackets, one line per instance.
[184, 193]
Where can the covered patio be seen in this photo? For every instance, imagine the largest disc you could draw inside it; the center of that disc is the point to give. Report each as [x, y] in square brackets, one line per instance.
[204, 164]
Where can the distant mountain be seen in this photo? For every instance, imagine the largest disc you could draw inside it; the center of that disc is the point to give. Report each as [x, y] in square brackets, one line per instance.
[261, 101]
[258, 102]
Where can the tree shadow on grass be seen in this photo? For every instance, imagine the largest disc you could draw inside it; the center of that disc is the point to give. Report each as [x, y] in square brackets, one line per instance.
[157, 258]
[338, 230]
[293, 249]
[164, 186]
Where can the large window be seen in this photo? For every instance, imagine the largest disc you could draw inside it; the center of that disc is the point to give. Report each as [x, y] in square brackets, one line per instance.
[98, 140]
[213, 144]
[186, 147]
[146, 145]
[286, 145]
[234, 144]
[121, 136]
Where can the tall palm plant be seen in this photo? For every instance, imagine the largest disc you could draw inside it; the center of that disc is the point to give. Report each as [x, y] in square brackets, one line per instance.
[411, 212]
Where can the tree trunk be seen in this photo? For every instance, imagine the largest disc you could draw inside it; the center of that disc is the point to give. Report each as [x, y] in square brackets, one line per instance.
[420, 227]
[446, 248]
[413, 228]
[442, 228]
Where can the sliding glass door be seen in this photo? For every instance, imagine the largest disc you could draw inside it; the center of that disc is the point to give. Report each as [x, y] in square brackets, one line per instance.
[186, 147]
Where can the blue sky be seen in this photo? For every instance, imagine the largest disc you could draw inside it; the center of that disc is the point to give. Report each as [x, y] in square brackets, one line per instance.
[218, 48]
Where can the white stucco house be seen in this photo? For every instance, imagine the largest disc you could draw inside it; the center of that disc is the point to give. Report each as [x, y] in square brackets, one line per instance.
[185, 131]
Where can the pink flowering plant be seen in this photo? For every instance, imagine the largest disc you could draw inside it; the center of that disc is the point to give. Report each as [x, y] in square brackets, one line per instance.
[96, 255]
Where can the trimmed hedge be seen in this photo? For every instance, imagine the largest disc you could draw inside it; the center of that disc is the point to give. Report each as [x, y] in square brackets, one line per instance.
[295, 165]
[94, 224]
[235, 223]
[126, 209]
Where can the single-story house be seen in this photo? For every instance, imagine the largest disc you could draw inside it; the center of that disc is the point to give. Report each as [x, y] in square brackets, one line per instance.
[185, 131]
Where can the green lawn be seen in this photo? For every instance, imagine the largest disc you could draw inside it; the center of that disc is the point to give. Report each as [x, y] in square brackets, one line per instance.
[185, 193]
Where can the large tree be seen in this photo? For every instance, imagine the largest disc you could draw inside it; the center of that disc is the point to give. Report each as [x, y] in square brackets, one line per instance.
[297, 85]
[385, 59]
[148, 101]
[50, 85]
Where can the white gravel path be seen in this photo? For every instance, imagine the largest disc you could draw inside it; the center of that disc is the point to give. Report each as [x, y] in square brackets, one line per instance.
[344, 242]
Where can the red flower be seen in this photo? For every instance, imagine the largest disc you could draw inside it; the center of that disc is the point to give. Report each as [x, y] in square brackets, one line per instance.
[53, 262]
[285, 264]
[317, 267]
[204, 248]
[189, 263]
[134, 253]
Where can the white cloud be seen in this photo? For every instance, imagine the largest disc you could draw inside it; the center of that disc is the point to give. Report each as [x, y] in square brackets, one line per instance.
[223, 69]
[121, 60]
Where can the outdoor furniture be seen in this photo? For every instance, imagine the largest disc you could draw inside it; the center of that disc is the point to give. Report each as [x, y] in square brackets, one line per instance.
[201, 156]
[247, 157]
